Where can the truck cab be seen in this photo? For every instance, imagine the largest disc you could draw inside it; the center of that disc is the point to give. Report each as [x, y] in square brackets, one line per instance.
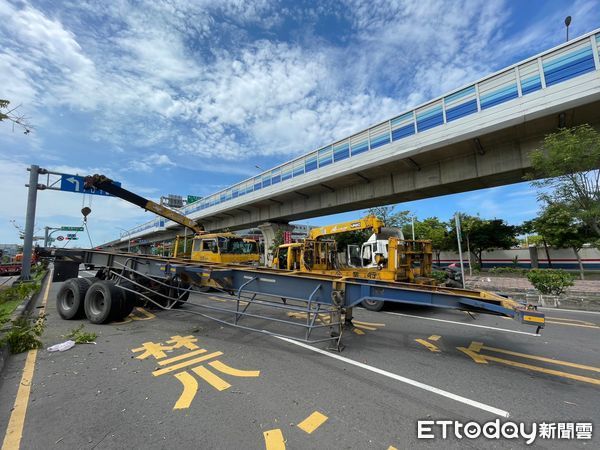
[220, 248]
[371, 254]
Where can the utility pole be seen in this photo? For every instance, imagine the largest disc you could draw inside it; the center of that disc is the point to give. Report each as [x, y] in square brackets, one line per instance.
[459, 238]
[412, 222]
[34, 172]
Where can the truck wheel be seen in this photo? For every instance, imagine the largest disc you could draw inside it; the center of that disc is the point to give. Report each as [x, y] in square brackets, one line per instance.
[70, 298]
[372, 305]
[175, 291]
[128, 300]
[103, 302]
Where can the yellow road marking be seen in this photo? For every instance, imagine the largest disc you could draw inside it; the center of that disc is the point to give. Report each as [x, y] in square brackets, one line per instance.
[312, 422]
[434, 337]
[148, 315]
[371, 324]
[572, 324]
[562, 321]
[274, 440]
[364, 327]
[431, 347]
[190, 387]
[164, 362]
[357, 331]
[392, 448]
[14, 430]
[542, 358]
[479, 359]
[475, 347]
[214, 380]
[543, 370]
[189, 362]
[222, 367]
[583, 322]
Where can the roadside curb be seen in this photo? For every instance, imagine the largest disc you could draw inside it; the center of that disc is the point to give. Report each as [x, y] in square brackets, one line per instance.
[25, 307]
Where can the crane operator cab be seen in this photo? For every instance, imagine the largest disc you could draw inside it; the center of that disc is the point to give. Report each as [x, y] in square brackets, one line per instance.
[224, 248]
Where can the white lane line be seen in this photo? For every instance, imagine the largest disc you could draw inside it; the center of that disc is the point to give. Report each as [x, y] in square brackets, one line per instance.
[418, 384]
[464, 324]
[568, 310]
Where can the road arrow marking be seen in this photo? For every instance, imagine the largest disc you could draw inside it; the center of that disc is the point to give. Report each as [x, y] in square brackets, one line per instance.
[431, 347]
[75, 181]
[474, 353]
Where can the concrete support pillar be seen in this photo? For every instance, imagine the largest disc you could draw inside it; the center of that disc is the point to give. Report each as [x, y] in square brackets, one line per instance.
[533, 256]
[269, 230]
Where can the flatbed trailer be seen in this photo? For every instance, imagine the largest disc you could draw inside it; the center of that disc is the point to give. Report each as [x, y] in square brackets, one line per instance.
[11, 268]
[246, 292]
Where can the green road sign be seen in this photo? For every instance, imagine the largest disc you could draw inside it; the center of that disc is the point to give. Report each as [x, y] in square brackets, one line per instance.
[192, 198]
[71, 228]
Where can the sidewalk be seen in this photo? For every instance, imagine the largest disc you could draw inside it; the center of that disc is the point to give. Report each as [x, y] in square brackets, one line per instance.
[484, 281]
[584, 295]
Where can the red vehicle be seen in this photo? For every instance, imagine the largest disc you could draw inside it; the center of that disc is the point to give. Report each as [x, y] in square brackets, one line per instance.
[15, 265]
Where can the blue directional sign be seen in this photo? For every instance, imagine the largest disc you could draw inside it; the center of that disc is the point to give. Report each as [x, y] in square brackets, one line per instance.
[74, 183]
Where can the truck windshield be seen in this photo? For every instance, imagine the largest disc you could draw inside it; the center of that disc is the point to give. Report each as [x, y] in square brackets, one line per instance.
[237, 246]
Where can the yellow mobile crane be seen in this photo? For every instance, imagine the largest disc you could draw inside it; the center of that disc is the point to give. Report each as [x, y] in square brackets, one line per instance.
[384, 256]
[206, 247]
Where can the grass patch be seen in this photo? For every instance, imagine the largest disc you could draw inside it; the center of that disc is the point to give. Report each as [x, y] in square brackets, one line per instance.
[11, 297]
[80, 336]
[6, 309]
[25, 334]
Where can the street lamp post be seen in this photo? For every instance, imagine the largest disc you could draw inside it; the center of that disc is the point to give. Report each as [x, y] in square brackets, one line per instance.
[567, 23]
[128, 234]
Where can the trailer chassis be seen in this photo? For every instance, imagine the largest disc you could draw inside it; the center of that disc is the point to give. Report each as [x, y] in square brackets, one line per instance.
[247, 292]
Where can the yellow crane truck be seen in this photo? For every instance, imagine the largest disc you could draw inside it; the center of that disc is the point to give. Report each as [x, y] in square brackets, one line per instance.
[220, 248]
[386, 255]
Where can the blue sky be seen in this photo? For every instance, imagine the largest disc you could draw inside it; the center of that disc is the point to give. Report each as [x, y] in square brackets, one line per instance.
[187, 97]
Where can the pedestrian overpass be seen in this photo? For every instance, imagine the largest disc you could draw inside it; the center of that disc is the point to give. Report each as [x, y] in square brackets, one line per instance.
[474, 137]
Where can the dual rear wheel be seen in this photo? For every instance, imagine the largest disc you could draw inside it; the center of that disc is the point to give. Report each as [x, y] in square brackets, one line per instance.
[101, 301]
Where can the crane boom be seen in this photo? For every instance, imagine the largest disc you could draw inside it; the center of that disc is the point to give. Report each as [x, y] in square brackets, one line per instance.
[104, 183]
[366, 223]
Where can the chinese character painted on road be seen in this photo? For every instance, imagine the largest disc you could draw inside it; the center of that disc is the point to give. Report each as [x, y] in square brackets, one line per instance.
[196, 357]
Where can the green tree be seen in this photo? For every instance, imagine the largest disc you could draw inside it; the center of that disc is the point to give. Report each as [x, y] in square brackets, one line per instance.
[9, 114]
[342, 240]
[481, 235]
[436, 231]
[568, 164]
[389, 217]
[560, 229]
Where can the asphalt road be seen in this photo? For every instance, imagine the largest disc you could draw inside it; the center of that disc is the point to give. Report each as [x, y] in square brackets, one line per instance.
[105, 396]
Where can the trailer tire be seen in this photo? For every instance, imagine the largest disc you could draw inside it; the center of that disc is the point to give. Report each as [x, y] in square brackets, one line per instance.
[173, 292]
[103, 302]
[128, 300]
[373, 305]
[70, 298]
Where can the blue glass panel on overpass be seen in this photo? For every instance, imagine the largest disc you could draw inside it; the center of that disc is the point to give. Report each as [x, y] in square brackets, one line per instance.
[359, 148]
[378, 141]
[463, 110]
[403, 132]
[341, 152]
